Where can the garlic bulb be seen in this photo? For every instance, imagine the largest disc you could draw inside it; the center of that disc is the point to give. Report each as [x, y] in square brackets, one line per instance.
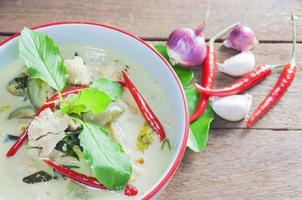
[239, 64]
[232, 108]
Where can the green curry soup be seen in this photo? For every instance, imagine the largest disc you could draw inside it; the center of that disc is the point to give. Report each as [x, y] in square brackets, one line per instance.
[109, 140]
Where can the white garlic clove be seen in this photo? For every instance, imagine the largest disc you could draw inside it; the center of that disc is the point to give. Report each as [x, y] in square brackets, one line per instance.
[232, 108]
[239, 64]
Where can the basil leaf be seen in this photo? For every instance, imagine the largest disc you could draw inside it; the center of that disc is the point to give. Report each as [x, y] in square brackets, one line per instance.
[111, 88]
[199, 129]
[42, 58]
[37, 177]
[185, 75]
[109, 164]
[90, 99]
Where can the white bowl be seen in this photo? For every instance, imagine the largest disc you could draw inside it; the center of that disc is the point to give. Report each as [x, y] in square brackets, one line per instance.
[136, 49]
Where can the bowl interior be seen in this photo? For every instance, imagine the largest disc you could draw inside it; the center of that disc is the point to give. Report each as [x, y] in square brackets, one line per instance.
[134, 49]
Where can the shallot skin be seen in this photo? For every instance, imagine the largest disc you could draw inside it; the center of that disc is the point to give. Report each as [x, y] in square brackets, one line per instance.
[242, 38]
[186, 47]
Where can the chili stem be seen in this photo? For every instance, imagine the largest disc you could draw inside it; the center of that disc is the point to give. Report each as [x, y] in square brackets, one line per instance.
[293, 56]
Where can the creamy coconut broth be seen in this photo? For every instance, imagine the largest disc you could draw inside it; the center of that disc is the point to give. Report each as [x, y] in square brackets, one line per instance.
[148, 165]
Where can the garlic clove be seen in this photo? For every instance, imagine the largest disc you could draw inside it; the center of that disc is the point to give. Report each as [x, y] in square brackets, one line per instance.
[239, 64]
[232, 108]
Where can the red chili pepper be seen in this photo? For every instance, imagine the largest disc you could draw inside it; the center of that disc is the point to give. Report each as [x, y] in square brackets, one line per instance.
[86, 180]
[208, 76]
[145, 109]
[18, 144]
[207, 80]
[23, 137]
[81, 178]
[130, 190]
[247, 81]
[285, 80]
[65, 93]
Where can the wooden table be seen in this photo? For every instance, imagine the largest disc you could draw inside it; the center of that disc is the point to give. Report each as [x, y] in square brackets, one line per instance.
[262, 163]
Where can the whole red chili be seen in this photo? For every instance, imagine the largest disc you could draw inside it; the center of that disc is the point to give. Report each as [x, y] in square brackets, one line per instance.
[145, 109]
[67, 92]
[247, 81]
[23, 137]
[207, 80]
[208, 71]
[285, 80]
[86, 180]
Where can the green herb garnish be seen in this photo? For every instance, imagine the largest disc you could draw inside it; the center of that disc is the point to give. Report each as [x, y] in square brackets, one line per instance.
[90, 99]
[110, 165]
[42, 58]
[37, 177]
[111, 88]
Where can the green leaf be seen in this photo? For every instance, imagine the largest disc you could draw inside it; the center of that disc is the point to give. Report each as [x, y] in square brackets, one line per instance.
[42, 58]
[111, 88]
[199, 129]
[90, 99]
[109, 164]
[185, 75]
[192, 98]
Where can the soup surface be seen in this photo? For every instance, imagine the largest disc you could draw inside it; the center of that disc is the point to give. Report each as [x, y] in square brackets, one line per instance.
[147, 165]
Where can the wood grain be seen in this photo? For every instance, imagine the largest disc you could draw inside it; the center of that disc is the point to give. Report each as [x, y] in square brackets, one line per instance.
[259, 164]
[286, 114]
[156, 18]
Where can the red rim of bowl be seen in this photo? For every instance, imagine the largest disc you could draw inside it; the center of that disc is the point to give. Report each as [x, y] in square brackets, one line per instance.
[181, 152]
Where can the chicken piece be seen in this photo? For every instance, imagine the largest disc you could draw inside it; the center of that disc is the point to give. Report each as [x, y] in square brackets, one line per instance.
[48, 143]
[46, 130]
[112, 70]
[78, 71]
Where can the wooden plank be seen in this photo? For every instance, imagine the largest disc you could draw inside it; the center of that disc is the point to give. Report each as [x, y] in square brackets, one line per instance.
[287, 113]
[155, 19]
[239, 165]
